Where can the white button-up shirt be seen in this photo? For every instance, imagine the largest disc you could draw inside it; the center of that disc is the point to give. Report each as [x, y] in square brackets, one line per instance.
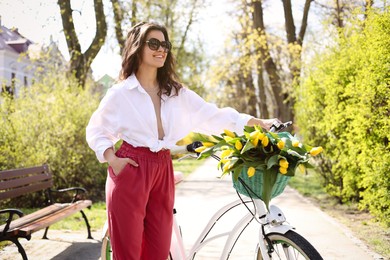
[126, 112]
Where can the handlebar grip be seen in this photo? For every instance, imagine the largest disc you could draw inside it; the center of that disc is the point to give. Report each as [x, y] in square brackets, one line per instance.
[279, 126]
[191, 147]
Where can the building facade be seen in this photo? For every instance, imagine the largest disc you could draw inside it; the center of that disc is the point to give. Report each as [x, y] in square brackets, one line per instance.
[16, 69]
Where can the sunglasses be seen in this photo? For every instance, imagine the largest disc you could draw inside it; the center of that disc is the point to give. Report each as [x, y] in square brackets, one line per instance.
[155, 44]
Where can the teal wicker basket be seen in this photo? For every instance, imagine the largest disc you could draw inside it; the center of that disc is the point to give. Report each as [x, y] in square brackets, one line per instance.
[254, 185]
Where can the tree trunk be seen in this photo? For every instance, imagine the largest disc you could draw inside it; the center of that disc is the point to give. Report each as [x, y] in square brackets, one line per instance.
[118, 18]
[269, 64]
[80, 63]
[296, 54]
[258, 25]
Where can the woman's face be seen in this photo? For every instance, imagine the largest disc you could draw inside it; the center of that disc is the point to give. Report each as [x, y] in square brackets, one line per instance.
[153, 54]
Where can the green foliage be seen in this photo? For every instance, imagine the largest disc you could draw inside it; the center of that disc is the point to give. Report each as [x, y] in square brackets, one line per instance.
[45, 123]
[258, 154]
[344, 105]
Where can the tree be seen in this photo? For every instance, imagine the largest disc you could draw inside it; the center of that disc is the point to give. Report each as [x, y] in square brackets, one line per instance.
[284, 99]
[265, 65]
[80, 62]
[178, 17]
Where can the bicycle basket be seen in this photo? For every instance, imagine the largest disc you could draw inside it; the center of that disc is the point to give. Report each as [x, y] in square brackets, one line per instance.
[254, 185]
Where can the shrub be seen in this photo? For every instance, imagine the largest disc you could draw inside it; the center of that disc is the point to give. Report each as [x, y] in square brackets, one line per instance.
[46, 123]
[344, 105]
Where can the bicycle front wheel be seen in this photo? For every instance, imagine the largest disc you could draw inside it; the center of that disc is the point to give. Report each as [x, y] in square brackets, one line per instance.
[290, 246]
[106, 251]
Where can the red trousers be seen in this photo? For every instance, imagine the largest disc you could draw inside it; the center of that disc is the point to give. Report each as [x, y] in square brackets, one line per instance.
[140, 205]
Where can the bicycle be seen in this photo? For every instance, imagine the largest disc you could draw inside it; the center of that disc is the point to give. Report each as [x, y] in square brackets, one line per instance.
[276, 238]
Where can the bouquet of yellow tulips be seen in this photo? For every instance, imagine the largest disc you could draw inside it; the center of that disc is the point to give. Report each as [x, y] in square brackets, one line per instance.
[261, 162]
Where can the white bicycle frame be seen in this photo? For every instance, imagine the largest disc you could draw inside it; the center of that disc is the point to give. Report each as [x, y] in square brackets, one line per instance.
[273, 221]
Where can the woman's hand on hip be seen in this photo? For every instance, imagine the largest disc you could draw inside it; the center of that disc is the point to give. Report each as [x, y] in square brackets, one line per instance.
[117, 164]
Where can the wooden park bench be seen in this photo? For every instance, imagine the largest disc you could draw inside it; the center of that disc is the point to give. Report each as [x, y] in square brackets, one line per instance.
[18, 182]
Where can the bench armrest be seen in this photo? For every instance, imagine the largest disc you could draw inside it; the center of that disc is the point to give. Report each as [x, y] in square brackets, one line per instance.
[11, 213]
[77, 191]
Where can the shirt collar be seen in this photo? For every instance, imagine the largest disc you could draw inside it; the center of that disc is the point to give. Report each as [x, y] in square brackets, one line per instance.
[132, 83]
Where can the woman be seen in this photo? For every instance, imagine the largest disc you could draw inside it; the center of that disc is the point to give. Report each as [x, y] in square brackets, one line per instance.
[150, 111]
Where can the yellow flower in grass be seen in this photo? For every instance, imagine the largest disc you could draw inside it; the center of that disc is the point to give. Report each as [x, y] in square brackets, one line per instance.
[238, 145]
[302, 168]
[280, 144]
[283, 163]
[282, 170]
[251, 171]
[229, 133]
[316, 150]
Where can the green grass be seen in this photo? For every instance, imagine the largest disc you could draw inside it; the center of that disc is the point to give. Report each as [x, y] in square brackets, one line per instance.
[375, 235]
[187, 166]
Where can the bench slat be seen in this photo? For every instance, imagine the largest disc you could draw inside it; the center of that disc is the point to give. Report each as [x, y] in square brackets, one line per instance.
[26, 189]
[34, 216]
[55, 217]
[9, 174]
[28, 180]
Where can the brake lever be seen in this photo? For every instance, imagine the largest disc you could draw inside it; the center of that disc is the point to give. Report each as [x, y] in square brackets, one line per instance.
[276, 127]
[191, 147]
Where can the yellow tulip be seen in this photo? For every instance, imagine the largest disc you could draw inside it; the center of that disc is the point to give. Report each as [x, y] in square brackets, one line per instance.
[282, 170]
[223, 161]
[200, 149]
[229, 133]
[226, 153]
[251, 171]
[295, 143]
[238, 145]
[254, 134]
[316, 150]
[228, 138]
[255, 142]
[280, 144]
[208, 144]
[283, 163]
[227, 166]
[265, 141]
[261, 136]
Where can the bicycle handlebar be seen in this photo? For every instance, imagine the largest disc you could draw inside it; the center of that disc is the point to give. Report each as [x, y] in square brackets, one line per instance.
[276, 127]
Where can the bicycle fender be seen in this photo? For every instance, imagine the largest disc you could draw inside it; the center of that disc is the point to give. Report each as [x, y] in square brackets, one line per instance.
[281, 229]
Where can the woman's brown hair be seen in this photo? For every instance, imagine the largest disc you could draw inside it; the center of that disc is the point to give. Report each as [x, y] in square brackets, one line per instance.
[132, 57]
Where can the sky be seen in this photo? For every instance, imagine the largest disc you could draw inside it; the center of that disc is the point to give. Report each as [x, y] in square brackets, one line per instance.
[40, 22]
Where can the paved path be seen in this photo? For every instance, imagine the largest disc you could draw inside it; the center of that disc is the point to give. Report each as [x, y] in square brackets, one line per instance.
[202, 193]
[197, 198]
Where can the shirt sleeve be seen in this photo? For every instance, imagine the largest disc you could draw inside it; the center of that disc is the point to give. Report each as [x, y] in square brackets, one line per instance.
[209, 119]
[101, 132]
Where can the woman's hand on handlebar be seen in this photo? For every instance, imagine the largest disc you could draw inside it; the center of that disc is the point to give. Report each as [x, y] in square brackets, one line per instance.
[264, 123]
